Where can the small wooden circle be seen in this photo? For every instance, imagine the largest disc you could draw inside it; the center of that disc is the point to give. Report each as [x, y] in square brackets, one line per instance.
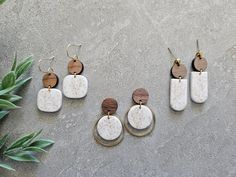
[75, 66]
[200, 64]
[109, 105]
[140, 95]
[50, 80]
[178, 71]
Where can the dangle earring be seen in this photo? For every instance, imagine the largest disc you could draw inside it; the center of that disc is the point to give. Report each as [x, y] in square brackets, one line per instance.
[108, 130]
[178, 85]
[75, 85]
[199, 78]
[140, 120]
[49, 99]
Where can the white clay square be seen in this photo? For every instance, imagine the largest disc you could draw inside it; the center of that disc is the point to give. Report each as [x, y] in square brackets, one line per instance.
[49, 100]
[75, 86]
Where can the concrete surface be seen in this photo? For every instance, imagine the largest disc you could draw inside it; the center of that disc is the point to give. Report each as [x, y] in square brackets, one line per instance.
[125, 47]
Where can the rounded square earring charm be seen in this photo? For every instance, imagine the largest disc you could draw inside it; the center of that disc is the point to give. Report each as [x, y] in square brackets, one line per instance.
[49, 99]
[199, 78]
[140, 120]
[108, 130]
[75, 85]
[178, 85]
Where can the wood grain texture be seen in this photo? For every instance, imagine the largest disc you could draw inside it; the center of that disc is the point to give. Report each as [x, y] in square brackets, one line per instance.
[140, 95]
[50, 80]
[109, 105]
[200, 64]
[178, 70]
[75, 66]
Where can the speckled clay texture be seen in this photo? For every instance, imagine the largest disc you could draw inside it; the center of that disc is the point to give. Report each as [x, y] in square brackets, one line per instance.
[199, 87]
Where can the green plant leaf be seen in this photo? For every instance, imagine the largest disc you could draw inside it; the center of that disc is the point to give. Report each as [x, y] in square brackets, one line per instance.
[19, 142]
[3, 114]
[24, 156]
[4, 104]
[23, 66]
[2, 1]
[3, 141]
[7, 90]
[34, 149]
[13, 68]
[6, 167]
[8, 80]
[42, 143]
[19, 83]
[10, 97]
[27, 143]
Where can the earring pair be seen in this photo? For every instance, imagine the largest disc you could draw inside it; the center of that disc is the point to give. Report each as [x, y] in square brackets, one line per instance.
[139, 121]
[49, 99]
[179, 85]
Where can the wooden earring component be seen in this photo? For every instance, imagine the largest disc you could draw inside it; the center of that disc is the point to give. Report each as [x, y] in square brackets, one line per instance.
[49, 99]
[75, 85]
[199, 79]
[178, 86]
[108, 130]
[140, 120]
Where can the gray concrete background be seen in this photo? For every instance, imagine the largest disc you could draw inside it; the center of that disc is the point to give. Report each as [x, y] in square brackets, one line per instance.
[125, 47]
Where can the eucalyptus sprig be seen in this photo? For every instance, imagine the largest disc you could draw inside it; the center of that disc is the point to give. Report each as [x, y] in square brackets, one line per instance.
[11, 82]
[23, 149]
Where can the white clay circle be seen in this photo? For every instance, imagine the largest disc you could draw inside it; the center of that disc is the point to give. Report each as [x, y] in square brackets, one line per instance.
[109, 128]
[140, 118]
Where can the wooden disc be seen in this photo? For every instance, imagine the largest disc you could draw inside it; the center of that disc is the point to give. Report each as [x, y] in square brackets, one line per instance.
[178, 70]
[75, 66]
[109, 105]
[200, 64]
[140, 94]
[50, 80]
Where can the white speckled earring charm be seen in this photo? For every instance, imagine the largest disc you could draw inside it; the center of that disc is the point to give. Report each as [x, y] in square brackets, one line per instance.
[178, 85]
[199, 78]
[140, 120]
[75, 85]
[49, 99]
[108, 130]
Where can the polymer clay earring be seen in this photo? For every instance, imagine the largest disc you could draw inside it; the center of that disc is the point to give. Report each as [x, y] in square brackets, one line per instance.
[49, 99]
[140, 120]
[199, 78]
[108, 130]
[178, 85]
[74, 84]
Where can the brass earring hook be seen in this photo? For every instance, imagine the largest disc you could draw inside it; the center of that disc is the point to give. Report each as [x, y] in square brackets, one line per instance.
[177, 60]
[73, 45]
[50, 68]
[199, 53]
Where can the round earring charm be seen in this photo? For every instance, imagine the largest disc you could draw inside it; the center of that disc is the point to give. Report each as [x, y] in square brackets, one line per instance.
[108, 130]
[49, 99]
[178, 85]
[199, 78]
[140, 120]
[75, 85]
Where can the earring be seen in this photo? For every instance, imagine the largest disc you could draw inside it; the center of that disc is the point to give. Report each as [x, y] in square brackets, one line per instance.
[140, 120]
[75, 85]
[199, 78]
[49, 99]
[178, 85]
[108, 130]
